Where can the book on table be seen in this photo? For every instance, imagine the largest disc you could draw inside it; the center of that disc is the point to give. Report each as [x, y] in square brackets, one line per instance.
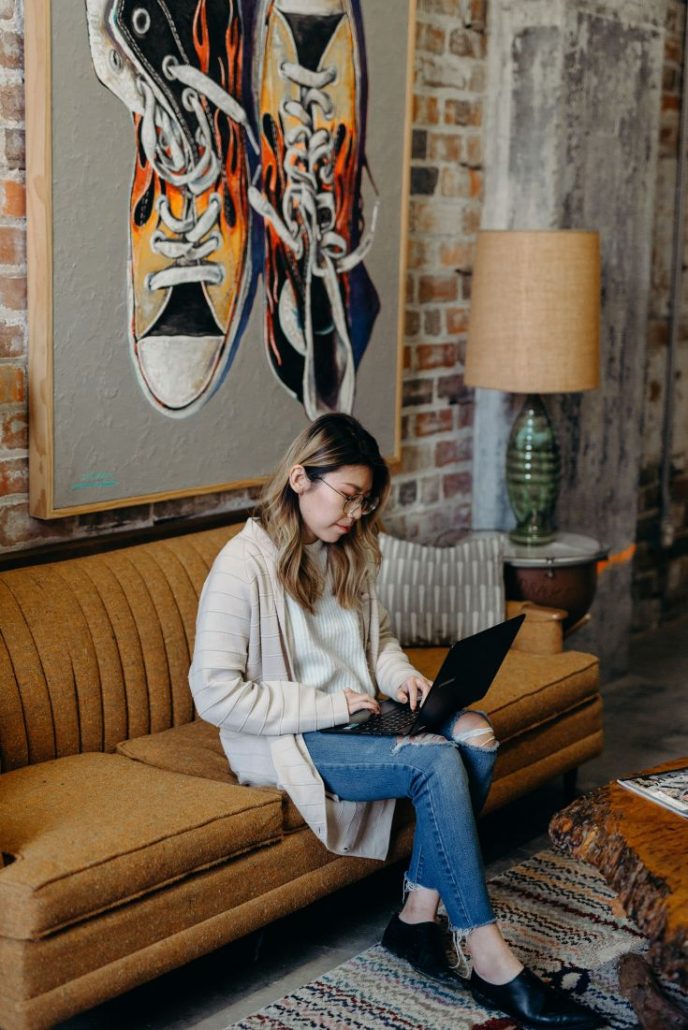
[666, 788]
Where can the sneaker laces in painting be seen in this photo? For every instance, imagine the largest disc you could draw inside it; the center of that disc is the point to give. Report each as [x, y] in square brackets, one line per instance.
[308, 205]
[167, 149]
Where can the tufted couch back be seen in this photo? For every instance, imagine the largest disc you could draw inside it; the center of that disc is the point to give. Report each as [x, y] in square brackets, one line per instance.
[96, 650]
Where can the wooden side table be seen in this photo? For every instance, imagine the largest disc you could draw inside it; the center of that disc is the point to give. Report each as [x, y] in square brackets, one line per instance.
[561, 574]
[640, 848]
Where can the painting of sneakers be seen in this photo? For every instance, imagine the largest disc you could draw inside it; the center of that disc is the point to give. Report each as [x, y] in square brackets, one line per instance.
[177, 65]
[310, 86]
[218, 201]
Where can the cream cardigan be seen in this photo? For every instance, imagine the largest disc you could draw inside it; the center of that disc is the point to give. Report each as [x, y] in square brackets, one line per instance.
[242, 682]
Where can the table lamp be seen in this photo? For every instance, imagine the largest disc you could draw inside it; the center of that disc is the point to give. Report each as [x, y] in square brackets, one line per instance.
[534, 328]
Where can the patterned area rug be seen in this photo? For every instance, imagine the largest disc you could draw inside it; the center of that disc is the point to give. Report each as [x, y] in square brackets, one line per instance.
[558, 914]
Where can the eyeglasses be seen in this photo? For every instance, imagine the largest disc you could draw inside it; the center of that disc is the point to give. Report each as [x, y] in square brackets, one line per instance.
[352, 502]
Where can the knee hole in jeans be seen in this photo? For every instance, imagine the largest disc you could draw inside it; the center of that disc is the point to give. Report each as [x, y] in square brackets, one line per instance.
[474, 730]
[420, 740]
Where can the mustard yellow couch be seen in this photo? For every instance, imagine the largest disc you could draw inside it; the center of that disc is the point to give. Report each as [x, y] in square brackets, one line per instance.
[128, 848]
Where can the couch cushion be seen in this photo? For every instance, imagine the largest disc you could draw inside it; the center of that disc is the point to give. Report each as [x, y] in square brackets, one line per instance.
[531, 759]
[195, 749]
[436, 595]
[529, 689]
[93, 831]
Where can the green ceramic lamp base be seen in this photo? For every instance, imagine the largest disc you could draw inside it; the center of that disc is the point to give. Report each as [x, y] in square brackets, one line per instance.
[532, 474]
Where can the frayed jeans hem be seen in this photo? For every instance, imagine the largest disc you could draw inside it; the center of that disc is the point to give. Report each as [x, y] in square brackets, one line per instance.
[409, 886]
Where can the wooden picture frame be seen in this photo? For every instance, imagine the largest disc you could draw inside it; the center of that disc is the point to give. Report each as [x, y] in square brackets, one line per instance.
[96, 441]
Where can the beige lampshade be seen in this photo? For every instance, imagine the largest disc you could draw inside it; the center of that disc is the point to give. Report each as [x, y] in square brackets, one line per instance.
[535, 312]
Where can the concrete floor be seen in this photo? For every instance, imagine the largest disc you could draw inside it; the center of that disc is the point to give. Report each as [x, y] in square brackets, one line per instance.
[646, 721]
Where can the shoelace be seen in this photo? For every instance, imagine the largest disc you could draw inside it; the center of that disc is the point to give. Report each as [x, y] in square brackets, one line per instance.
[308, 208]
[170, 155]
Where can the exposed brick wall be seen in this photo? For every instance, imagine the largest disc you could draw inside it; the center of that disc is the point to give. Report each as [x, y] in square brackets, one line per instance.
[661, 573]
[431, 499]
[13, 385]
[432, 493]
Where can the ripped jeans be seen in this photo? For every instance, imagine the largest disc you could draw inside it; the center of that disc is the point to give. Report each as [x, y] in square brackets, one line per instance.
[447, 782]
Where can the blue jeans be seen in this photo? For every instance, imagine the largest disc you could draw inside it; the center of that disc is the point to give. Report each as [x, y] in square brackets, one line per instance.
[447, 782]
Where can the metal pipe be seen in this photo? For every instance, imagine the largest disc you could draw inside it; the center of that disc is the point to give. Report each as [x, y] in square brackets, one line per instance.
[666, 526]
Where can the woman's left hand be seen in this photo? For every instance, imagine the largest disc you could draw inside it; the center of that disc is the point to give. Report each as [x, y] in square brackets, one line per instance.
[414, 690]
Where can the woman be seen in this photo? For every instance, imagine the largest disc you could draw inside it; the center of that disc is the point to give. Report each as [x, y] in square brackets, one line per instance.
[290, 640]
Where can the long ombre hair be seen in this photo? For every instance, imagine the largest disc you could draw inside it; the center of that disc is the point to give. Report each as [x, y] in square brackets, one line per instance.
[326, 445]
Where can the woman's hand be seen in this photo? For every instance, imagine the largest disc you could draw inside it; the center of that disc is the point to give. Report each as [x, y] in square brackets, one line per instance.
[360, 702]
[414, 690]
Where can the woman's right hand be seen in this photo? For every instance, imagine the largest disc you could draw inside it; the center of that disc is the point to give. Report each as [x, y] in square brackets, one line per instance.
[360, 702]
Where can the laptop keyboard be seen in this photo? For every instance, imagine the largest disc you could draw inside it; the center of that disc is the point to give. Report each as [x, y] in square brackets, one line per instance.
[388, 724]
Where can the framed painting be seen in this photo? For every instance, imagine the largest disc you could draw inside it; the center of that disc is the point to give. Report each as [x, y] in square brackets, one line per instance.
[217, 197]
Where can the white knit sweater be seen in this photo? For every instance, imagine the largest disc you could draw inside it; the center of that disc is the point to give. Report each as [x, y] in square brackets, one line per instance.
[242, 681]
[326, 644]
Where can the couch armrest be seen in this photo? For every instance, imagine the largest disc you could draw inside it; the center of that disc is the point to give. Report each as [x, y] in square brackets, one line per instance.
[542, 631]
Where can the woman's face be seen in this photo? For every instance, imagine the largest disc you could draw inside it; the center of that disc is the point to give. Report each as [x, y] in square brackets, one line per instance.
[321, 502]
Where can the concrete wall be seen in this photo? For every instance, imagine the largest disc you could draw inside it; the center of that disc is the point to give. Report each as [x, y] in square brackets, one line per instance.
[660, 587]
[571, 142]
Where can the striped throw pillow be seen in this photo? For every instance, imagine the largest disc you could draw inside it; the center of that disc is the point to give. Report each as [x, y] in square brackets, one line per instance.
[436, 595]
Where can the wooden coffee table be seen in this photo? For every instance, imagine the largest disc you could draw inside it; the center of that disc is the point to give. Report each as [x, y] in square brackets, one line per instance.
[641, 849]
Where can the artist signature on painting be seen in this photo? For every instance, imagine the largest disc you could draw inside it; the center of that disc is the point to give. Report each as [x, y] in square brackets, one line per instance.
[95, 480]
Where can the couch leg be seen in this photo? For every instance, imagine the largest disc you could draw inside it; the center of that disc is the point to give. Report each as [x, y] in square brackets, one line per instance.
[570, 781]
[258, 938]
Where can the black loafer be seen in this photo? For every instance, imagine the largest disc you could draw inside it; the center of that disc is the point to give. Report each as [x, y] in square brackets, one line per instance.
[533, 1003]
[421, 945]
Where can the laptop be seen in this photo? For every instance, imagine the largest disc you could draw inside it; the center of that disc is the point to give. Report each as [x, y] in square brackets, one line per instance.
[465, 676]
